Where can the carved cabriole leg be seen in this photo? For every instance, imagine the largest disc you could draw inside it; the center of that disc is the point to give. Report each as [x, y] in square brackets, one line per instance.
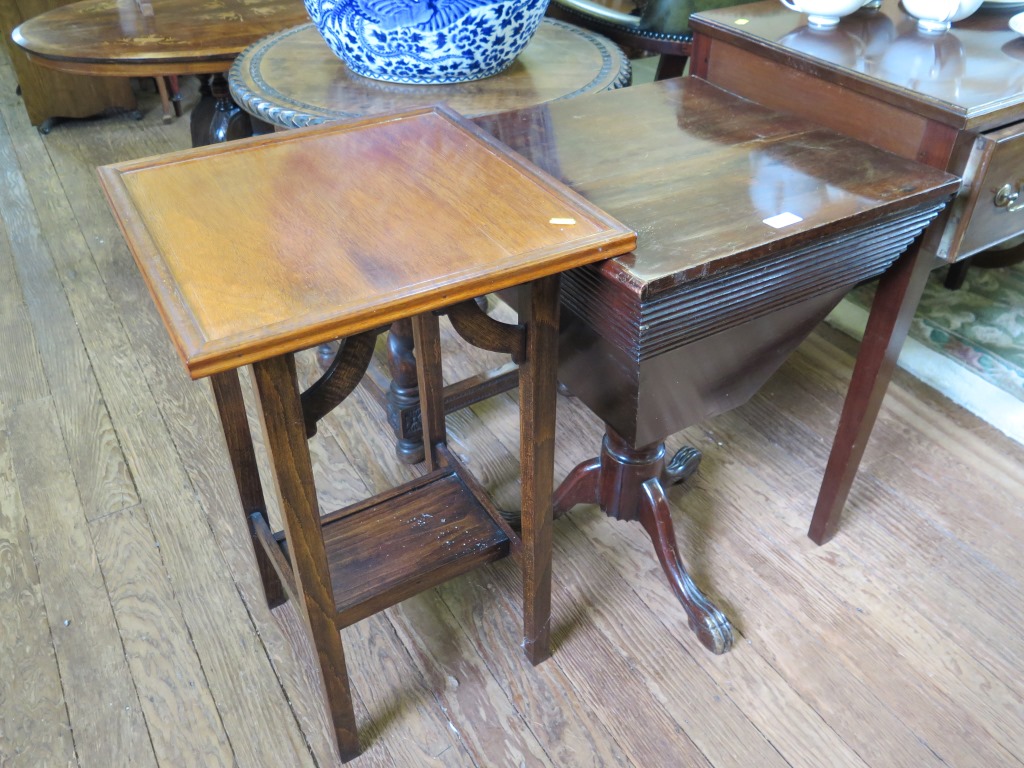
[471, 322]
[403, 392]
[284, 427]
[710, 624]
[537, 405]
[892, 311]
[581, 486]
[228, 393]
[628, 484]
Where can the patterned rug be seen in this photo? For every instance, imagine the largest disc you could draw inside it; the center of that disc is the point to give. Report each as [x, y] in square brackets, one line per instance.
[968, 344]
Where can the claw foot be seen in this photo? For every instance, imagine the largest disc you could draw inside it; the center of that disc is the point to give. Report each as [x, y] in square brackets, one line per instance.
[709, 624]
[682, 466]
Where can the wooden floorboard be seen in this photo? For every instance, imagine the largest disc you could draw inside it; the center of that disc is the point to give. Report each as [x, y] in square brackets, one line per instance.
[36, 730]
[103, 706]
[900, 643]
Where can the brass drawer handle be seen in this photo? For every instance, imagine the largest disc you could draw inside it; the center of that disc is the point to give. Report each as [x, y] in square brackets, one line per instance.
[1009, 198]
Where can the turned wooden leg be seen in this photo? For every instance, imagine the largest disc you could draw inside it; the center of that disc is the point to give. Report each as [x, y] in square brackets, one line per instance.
[216, 118]
[628, 483]
[284, 426]
[228, 393]
[175, 93]
[165, 98]
[404, 393]
[957, 274]
[892, 311]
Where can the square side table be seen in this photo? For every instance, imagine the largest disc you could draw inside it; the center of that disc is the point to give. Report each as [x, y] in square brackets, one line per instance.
[258, 249]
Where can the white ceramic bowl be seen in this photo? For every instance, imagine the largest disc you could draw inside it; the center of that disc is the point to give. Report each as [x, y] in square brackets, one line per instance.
[1017, 24]
[823, 13]
[935, 16]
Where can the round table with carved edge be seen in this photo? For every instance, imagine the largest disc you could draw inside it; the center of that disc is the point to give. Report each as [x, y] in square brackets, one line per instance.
[291, 79]
[161, 37]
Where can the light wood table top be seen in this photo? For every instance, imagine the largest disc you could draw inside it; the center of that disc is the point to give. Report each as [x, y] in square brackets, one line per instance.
[341, 230]
[292, 79]
[114, 38]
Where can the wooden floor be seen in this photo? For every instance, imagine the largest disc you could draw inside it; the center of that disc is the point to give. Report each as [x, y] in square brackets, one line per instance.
[132, 631]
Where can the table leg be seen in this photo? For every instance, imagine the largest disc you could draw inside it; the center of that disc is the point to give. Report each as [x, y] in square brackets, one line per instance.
[228, 394]
[403, 394]
[217, 118]
[165, 98]
[892, 311]
[284, 426]
[401, 400]
[629, 484]
[537, 412]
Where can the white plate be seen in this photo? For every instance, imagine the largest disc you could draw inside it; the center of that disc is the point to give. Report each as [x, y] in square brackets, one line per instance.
[1003, 4]
[1017, 24]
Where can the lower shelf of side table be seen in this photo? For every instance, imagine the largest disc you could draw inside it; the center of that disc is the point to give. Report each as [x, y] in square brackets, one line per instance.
[401, 542]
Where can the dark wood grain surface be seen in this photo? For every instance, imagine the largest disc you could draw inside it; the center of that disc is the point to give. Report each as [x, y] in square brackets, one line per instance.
[703, 173]
[184, 36]
[698, 184]
[954, 101]
[972, 77]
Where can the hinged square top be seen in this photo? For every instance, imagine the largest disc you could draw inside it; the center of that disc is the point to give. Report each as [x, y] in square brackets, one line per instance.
[278, 243]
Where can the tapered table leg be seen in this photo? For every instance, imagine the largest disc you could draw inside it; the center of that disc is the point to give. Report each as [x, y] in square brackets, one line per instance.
[228, 394]
[537, 395]
[283, 424]
[899, 292]
[629, 484]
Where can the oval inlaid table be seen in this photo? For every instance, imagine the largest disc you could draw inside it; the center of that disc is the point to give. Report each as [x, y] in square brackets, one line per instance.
[292, 79]
[157, 38]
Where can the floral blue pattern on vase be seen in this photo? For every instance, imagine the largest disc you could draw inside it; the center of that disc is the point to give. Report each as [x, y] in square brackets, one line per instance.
[427, 41]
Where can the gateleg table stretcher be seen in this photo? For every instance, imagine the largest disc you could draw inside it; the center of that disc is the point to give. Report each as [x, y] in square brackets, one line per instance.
[260, 248]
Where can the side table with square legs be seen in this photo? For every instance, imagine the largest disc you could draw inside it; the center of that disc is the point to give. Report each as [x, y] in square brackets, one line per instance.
[463, 218]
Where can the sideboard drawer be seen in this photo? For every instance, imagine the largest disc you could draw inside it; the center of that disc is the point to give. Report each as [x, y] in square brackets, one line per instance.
[990, 208]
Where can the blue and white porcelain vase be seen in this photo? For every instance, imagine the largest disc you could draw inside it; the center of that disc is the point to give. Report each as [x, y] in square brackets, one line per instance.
[427, 41]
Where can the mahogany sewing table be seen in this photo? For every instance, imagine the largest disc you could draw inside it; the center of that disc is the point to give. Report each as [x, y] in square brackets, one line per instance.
[116, 38]
[435, 212]
[752, 225]
[954, 101]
